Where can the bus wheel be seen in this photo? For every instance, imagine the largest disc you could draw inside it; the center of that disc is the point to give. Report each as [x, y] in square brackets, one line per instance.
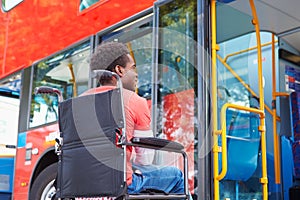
[43, 188]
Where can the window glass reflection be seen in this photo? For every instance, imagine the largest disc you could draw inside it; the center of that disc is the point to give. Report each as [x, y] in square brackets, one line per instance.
[68, 72]
[9, 4]
[177, 80]
[84, 4]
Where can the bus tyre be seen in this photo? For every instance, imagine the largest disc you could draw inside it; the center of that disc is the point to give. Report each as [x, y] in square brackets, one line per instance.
[42, 188]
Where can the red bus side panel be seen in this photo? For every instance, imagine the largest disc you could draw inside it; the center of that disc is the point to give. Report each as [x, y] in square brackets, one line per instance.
[35, 29]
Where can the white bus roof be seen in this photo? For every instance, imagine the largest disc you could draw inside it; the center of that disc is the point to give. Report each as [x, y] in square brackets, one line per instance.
[282, 17]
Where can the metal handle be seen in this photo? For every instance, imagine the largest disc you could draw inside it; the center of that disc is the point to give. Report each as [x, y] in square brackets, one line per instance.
[49, 90]
[99, 73]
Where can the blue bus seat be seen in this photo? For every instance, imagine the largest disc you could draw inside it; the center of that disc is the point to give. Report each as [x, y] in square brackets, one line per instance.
[287, 164]
[243, 142]
[296, 158]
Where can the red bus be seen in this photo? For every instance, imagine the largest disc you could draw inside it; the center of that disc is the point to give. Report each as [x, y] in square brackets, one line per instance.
[227, 94]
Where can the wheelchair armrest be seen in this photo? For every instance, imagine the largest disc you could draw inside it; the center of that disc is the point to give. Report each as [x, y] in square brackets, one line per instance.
[156, 143]
[164, 145]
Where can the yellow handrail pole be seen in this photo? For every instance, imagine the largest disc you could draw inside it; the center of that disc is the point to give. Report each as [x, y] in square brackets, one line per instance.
[264, 179]
[246, 50]
[275, 136]
[224, 132]
[214, 98]
[281, 94]
[73, 80]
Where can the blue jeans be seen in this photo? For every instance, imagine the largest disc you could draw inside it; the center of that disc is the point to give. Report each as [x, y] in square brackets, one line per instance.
[167, 179]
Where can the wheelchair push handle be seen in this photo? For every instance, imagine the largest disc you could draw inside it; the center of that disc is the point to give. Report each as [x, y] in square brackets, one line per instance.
[105, 73]
[49, 90]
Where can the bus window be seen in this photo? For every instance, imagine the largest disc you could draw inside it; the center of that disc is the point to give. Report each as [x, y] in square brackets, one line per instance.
[138, 38]
[84, 4]
[68, 71]
[7, 5]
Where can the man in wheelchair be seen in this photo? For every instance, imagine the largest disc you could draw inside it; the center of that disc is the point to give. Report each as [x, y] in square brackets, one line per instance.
[115, 57]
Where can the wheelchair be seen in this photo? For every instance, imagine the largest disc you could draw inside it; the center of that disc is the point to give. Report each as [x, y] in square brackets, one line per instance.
[92, 147]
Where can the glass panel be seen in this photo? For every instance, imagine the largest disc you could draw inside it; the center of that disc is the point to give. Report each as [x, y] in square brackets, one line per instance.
[68, 72]
[9, 117]
[138, 38]
[10, 4]
[177, 79]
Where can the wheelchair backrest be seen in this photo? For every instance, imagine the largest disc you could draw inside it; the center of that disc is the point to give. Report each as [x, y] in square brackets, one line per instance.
[91, 164]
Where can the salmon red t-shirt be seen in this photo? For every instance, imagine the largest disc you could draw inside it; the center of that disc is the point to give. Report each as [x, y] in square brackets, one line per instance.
[137, 115]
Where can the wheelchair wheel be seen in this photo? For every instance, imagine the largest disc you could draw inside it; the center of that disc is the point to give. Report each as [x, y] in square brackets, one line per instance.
[43, 188]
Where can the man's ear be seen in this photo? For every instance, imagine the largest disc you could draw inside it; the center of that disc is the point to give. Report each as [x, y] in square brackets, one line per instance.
[118, 70]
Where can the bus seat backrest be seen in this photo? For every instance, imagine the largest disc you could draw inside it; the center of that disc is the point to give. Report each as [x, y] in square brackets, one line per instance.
[287, 162]
[243, 143]
[295, 105]
[285, 113]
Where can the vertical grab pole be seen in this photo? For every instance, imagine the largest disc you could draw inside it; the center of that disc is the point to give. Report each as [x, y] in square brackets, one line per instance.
[214, 99]
[275, 136]
[264, 179]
